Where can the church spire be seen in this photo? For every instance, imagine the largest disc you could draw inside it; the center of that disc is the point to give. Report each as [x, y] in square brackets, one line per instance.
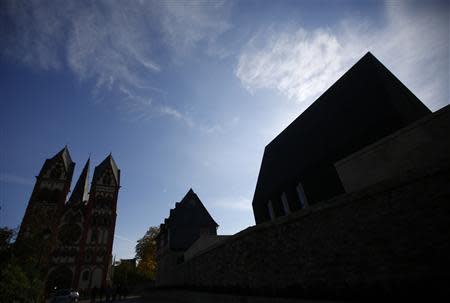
[65, 156]
[80, 192]
[107, 164]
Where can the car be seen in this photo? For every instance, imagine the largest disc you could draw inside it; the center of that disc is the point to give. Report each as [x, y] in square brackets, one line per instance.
[65, 296]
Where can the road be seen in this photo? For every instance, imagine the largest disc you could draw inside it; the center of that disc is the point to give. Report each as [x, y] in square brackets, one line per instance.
[128, 300]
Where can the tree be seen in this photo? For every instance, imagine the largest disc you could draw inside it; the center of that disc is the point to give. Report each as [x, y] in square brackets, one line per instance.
[146, 253]
[6, 237]
[21, 274]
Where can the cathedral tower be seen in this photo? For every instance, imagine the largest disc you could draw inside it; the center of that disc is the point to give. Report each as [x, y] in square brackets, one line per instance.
[65, 257]
[72, 240]
[38, 230]
[101, 223]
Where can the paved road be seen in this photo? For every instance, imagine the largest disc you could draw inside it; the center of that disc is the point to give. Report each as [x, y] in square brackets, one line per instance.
[128, 300]
[132, 300]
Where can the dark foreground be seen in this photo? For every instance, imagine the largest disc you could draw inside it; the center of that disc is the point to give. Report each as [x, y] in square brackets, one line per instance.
[176, 296]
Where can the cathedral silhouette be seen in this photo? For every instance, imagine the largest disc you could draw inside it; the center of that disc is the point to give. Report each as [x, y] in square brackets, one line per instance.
[75, 236]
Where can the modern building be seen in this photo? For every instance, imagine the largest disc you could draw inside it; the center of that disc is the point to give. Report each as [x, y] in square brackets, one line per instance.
[75, 235]
[371, 165]
[298, 168]
[187, 222]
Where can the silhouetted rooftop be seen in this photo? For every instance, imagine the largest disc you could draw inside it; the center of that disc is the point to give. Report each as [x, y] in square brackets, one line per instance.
[367, 103]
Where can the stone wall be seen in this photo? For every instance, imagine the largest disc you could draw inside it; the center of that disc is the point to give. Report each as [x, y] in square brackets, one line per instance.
[203, 243]
[392, 238]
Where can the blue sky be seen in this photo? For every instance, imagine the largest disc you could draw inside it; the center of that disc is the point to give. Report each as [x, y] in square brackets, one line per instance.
[188, 95]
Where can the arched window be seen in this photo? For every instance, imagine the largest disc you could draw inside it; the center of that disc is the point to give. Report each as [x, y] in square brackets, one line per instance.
[85, 276]
[56, 194]
[88, 255]
[94, 236]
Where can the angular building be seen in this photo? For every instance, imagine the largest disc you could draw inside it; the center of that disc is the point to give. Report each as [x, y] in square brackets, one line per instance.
[187, 222]
[298, 168]
[75, 236]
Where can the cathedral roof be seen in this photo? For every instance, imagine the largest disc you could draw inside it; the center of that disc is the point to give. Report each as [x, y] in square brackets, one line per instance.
[62, 156]
[81, 189]
[107, 163]
[65, 156]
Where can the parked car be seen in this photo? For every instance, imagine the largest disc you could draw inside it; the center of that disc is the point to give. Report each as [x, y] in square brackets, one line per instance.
[65, 296]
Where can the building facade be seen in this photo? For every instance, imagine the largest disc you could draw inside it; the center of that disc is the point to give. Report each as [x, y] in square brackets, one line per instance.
[298, 168]
[187, 222]
[74, 235]
[376, 196]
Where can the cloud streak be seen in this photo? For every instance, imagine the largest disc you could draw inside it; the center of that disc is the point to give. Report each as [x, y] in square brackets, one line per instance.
[124, 238]
[13, 179]
[301, 64]
[117, 45]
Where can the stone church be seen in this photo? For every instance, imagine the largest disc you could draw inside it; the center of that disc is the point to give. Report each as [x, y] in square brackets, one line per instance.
[75, 235]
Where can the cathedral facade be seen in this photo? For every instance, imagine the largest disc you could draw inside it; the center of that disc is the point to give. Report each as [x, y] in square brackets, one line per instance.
[73, 236]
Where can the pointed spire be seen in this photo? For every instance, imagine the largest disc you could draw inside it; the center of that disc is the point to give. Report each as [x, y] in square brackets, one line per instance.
[80, 191]
[65, 156]
[107, 163]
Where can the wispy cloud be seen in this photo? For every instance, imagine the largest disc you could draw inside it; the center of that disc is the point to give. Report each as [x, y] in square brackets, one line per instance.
[301, 64]
[186, 23]
[123, 238]
[239, 203]
[117, 45]
[13, 179]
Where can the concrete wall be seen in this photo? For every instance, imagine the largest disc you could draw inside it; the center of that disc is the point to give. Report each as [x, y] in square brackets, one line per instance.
[421, 146]
[389, 239]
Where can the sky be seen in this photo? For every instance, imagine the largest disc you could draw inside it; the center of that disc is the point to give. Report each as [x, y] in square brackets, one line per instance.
[188, 94]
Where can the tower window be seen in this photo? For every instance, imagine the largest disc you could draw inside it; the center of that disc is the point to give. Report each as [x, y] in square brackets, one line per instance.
[94, 236]
[85, 276]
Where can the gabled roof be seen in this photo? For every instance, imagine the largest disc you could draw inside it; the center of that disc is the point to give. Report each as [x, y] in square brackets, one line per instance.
[81, 189]
[107, 163]
[367, 103]
[190, 211]
[64, 156]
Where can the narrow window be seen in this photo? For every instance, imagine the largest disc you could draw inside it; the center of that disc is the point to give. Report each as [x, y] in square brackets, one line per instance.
[94, 236]
[85, 275]
[271, 212]
[285, 202]
[301, 195]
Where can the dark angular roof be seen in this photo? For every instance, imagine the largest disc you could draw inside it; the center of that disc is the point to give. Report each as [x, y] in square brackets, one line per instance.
[63, 155]
[190, 211]
[81, 189]
[367, 103]
[107, 163]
